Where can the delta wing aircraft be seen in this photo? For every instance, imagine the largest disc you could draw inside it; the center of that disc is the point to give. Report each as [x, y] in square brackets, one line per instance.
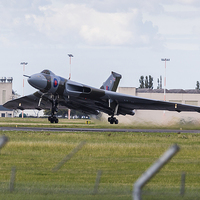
[55, 92]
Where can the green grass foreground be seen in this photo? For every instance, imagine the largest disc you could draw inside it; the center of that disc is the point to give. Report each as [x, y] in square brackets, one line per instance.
[122, 157]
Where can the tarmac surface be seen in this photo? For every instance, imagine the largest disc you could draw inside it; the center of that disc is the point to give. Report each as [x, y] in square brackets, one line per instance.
[97, 130]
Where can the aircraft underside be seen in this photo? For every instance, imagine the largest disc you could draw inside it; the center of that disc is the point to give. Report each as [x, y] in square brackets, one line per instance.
[77, 106]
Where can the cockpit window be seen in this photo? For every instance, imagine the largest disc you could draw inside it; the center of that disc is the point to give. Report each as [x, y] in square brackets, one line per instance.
[46, 71]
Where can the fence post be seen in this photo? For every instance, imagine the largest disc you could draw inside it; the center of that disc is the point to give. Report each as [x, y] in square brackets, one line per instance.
[146, 176]
[182, 189]
[3, 140]
[96, 186]
[12, 179]
[68, 157]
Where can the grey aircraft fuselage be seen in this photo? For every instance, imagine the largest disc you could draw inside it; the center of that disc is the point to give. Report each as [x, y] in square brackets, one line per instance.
[57, 92]
[63, 88]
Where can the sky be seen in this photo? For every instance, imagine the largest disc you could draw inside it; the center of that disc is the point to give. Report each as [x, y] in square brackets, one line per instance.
[129, 37]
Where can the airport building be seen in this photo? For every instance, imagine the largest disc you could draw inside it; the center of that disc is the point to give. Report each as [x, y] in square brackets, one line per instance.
[191, 97]
[6, 94]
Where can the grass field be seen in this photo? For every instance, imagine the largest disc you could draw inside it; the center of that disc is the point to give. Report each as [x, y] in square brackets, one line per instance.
[122, 158]
[81, 123]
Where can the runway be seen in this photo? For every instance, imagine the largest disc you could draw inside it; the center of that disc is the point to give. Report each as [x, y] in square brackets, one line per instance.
[97, 130]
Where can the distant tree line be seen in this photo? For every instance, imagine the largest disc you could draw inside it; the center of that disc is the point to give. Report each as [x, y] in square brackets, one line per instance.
[147, 82]
[159, 83]
[197, 85]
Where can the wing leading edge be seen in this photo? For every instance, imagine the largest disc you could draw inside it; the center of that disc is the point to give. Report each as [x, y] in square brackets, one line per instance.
[32, 101]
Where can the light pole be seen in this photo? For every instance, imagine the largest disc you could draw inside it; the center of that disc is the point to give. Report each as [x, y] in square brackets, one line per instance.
[70, 56]
[23, 63]
[165, 59]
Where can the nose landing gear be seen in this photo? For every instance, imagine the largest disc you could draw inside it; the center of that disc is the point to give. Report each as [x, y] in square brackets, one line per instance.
[112, 120]
[53, 117]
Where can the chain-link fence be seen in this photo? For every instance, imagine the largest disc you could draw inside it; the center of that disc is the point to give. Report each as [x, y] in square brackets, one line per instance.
[100, 189]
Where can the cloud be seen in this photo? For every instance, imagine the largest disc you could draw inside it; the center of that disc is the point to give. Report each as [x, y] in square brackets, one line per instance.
[92, 22]
[13, 23]
[23, 5]
[4, 41]
[112, 6]
[82, 24]
[108, 28]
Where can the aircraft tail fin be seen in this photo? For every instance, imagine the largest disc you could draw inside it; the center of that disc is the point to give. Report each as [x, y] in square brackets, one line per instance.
[112, 82]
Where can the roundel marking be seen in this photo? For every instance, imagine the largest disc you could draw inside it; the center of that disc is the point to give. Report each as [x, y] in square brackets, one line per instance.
[55, 82]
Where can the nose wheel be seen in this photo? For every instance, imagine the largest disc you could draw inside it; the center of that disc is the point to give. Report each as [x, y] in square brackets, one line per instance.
[113, 120]
[53, 117]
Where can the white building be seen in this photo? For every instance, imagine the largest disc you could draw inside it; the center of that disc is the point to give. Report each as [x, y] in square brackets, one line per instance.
[6, 94]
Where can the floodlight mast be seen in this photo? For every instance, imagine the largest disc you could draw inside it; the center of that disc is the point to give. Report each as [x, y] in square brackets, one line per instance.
[165, 59]
[23, 63]
[70, 56]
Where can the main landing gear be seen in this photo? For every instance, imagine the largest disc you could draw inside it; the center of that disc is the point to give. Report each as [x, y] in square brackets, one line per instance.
[53, 117]
[112, 120]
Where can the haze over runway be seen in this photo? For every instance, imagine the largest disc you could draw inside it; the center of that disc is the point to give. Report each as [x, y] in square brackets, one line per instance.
[129, 37]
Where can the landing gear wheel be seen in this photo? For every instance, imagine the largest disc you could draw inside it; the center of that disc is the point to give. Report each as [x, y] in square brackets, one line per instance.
[53, 118]
[49, 118]
[113, 120]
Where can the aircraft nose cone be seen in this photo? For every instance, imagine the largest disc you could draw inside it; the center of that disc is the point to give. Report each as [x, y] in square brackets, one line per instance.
[38, 81]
